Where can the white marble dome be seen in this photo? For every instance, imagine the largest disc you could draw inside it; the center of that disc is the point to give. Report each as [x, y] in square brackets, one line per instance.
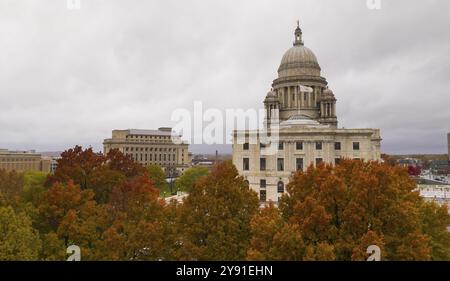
[299, 60]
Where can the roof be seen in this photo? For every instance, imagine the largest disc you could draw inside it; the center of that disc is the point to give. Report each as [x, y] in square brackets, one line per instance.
[301, 120]
[299, 60]
[149, 132]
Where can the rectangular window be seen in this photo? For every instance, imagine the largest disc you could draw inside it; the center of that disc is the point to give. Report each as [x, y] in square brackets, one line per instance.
[262, 183]
[318, 145]
[246, 146]
[356, 146]
[280, 187]
[299, 145]
[262, 164]
[280, 145]
[337, 161]
[280, 164]
[246, 164]
[337, 146]
[318, 161]
[299, 164]
[262, 196]
[262, 145]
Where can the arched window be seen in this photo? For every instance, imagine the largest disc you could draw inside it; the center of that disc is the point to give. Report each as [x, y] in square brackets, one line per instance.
[280, 186]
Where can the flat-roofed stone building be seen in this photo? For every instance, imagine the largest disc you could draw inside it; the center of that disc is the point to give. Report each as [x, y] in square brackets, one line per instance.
[300, 110]
[21, 161]
[160, 147]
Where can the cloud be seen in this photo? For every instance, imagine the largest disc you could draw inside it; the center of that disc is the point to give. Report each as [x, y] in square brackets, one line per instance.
[71, 76]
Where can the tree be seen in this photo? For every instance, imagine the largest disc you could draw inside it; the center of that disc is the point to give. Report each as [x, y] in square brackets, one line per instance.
[274, 239]
[435, 222]
[74, 217]
[156, 173]
[54, 248]
[414, 170]
[18, 239]
[189, 177]
[34, 188]
[11, 186]
[77, 165]
[215, 217]
[339, 209]
[137, 198]
[117, 161]
[95, 171]
[138, 229]
[58, 201]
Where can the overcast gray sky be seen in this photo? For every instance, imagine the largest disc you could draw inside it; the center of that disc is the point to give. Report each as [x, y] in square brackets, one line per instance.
[71, 76]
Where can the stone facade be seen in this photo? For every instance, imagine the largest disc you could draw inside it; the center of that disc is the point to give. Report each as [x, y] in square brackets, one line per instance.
[147, 147]
[301, 113]
[21, 161]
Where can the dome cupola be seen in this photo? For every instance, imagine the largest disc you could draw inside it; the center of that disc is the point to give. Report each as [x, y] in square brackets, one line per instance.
[299, 60]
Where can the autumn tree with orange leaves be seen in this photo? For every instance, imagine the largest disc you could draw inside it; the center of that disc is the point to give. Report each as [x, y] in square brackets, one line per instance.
[215, 217]
[338, 211]
[112, 209]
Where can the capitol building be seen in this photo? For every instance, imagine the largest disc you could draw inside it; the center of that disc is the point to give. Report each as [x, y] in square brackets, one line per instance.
[300, 110]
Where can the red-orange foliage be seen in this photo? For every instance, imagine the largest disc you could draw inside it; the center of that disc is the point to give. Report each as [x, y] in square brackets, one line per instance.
[340, 205]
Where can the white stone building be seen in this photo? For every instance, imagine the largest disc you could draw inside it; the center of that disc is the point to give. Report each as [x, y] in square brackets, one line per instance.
[301, 125]
[161, 147]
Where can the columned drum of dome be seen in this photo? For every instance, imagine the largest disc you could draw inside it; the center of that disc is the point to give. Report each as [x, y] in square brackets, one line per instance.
[300, 68]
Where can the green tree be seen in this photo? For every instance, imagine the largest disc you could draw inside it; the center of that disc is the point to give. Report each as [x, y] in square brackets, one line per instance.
[18, 239]
[190, 177]
[34, 187]
[158, 176]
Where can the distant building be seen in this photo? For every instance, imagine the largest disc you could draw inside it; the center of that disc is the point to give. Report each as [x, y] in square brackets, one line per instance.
[54, 164]
[440, 167]
[434, 191]
[22, 161]
[207, 161]
[160, 147]
[408, 162]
